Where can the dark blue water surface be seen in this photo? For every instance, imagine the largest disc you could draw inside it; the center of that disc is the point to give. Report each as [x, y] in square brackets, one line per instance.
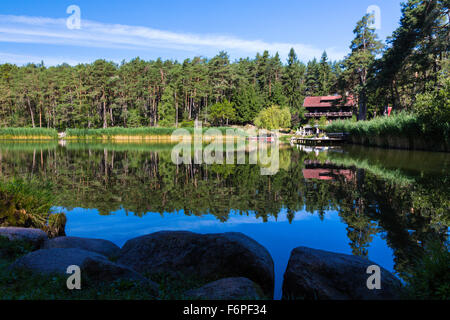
[278, 236]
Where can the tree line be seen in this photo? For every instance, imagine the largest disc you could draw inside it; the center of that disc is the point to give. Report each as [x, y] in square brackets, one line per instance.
[406, 73]
[165, 93]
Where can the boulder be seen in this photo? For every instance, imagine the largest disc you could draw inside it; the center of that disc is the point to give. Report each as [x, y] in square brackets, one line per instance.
[54, 261]
[323, 275]
[104, 247]
[227, 289]
[207, 256]
[35, 237]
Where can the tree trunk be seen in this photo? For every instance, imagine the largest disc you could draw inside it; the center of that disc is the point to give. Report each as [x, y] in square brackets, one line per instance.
[40, 117]
[362, 101]
[176, 109]
[105, 121]
[31, 112]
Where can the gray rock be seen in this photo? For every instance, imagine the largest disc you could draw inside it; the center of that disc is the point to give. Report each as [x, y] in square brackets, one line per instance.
[207, 256]
[322, 275]
[227, 289]
[104, 247]
[54, 261]
[35, 237]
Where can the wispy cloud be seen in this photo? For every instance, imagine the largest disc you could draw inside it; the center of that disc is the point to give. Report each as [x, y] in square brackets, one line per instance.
[41, 30]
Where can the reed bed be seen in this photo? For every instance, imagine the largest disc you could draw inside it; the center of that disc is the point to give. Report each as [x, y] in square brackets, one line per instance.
[28, 133]
[402, 130]
[403, 124]
[144, 133]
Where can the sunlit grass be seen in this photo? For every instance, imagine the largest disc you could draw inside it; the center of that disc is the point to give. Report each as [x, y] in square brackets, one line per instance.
[402, 124]
[28, 133]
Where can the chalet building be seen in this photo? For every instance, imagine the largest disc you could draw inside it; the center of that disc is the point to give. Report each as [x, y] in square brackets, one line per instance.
[330, 107]
[327, 174]
[315, 169]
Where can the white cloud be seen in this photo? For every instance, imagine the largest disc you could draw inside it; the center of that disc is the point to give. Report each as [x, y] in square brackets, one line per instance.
[21, 59]
[41, 30]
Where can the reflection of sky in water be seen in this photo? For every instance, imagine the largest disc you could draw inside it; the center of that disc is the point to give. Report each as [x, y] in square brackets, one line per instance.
[279, 237]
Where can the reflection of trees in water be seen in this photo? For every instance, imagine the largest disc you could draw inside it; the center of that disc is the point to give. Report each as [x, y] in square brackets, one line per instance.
[147, 181]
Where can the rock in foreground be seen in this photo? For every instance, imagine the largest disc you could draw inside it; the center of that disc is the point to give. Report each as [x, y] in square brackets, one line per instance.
[317, 274]
[208, 256]
[227, 289]
[104, 247]
[35, 237]
[49, 261]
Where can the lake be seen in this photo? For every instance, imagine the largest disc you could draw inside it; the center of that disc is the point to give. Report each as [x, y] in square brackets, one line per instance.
[381, 204]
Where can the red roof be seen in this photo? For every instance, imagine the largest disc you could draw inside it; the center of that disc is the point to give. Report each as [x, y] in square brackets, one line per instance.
[327, 102]
[327, 174]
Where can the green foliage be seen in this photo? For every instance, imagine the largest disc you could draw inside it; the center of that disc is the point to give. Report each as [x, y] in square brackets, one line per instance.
[151, 93]
[24, 204]
[134, 119]
[401, 124]
[187, 124]
[28, 204]
[365, 46]
[248, 103]
[273, 118]
[166, 111]
[223, 112]
[429, 278]
[322, 122]
[415, 54]
[11, 250]
[433, 110]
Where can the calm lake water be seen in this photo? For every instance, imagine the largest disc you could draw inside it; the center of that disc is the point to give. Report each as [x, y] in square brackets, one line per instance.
[381, 204]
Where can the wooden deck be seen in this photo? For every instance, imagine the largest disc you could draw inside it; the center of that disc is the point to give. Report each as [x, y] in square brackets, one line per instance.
[318, 141]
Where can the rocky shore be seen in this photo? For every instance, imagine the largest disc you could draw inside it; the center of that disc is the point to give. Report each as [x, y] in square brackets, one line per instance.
[232, 265]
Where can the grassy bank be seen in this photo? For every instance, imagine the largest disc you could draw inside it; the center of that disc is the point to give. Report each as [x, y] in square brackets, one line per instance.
[28, 204]
[28, 133]
[24, 285]
[114, 133]
[402, 131]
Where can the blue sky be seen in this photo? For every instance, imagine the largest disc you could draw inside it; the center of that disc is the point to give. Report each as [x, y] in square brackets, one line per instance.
[31, 31]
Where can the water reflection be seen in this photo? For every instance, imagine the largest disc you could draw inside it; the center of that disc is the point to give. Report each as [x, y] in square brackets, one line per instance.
[382, 204]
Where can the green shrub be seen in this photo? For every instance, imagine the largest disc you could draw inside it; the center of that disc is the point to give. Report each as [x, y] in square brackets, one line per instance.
[273, 118]
[28, 204]
[429, 279]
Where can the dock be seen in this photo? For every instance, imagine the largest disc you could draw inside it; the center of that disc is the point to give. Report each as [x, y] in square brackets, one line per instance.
[317, 141]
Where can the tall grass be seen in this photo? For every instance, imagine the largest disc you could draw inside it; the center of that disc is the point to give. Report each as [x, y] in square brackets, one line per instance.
[402, 130]
[136, 132]
[31, 133]
[28, 204]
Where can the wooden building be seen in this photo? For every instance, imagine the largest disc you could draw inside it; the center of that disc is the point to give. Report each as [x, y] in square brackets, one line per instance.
[330, 107]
